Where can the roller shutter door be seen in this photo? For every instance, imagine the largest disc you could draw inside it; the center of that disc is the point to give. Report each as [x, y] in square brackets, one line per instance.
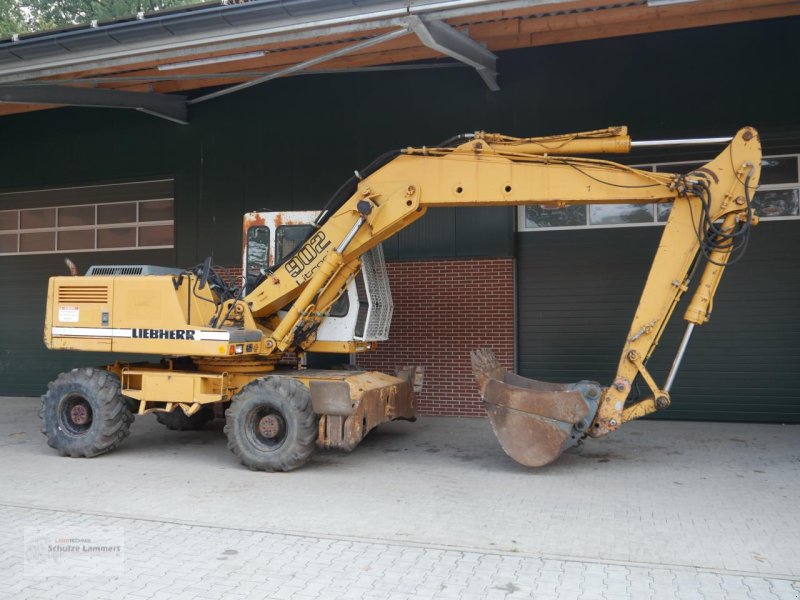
[578, 290]
[25, 364]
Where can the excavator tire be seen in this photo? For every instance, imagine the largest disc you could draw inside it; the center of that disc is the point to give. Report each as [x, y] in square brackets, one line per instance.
[178, 421]
[83, 413]
[271, 425]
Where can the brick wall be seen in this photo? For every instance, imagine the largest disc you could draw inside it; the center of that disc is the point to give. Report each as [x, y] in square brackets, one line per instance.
[442, 310]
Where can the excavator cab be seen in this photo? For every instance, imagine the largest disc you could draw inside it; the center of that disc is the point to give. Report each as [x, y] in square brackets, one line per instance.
[362, 314]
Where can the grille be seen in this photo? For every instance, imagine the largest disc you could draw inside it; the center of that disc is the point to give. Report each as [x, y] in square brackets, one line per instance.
[83, 294]
[376, 288]
[363, 307]
[115, 271]
[131, 270]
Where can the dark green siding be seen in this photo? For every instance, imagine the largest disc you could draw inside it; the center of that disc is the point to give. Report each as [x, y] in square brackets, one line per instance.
[25, 364]
[578, 291]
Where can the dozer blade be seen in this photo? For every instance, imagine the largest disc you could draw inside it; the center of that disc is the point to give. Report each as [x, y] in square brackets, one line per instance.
[534, 421]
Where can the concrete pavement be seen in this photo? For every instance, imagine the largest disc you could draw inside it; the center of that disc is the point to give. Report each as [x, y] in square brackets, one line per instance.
[691, 509]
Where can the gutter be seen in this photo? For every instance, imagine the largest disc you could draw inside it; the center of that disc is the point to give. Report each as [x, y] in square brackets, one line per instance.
[62, 61]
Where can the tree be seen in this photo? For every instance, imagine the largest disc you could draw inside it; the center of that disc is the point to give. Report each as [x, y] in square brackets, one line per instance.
[11, 19]
[20, 16]
[68, 12]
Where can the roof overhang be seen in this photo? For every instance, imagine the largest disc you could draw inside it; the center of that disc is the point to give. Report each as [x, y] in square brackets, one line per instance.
[240, 45]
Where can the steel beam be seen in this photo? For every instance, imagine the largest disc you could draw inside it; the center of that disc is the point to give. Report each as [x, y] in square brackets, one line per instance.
[379, 39]
[166, 106]
[254, 74]
[443, 38]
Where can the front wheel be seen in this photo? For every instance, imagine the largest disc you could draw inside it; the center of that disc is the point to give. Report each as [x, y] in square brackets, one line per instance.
[271, 425]
[84, 414]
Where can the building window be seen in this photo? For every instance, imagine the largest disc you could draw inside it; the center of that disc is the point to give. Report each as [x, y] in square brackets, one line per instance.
[88, 227]
[778, 197]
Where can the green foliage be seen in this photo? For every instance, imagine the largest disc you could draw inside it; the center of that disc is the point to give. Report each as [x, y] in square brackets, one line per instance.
[11, 19]
[21, 16]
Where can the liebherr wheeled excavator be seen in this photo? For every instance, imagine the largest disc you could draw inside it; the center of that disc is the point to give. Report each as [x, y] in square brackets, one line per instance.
[322, 287]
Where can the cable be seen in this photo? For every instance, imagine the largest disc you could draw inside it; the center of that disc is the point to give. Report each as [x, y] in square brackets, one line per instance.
[214, 320]
[712, 237]
[456, 138]
[582, 172]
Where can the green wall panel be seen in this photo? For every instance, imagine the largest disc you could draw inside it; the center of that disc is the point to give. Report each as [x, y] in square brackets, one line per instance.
[25, 364]
[578, 291]
[290, 143]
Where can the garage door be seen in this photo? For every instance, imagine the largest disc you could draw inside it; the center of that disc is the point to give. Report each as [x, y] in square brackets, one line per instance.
[129, 223]
[579, 278]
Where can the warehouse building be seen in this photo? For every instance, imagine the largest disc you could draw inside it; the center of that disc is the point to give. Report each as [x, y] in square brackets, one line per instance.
[271, 105]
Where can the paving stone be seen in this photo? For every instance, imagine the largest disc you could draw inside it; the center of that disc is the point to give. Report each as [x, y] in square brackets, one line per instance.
[165, 559]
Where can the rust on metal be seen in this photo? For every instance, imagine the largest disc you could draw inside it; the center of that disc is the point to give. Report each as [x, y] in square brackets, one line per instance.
[562, 405]
[529, 439]
[352, 403]
[269, 426]
[331, 398]
[251, 219]
[79, 415]
[414, 375]
[534, 421]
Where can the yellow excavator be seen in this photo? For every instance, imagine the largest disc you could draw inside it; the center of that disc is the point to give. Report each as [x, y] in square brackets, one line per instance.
[316, 282]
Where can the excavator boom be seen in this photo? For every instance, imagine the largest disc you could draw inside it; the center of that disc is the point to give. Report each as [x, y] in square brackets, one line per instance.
[535, 421]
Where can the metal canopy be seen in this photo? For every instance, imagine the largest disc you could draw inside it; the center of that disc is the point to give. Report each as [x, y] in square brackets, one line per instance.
[435, 34]
[154, 60]
[166, 106]
[305, 65]
[168, 35]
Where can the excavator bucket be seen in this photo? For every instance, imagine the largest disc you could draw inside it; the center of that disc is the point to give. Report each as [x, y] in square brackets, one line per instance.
[534, 421]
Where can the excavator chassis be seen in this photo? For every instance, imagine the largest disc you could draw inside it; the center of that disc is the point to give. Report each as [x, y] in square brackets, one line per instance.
[534, 421]
[349, 403]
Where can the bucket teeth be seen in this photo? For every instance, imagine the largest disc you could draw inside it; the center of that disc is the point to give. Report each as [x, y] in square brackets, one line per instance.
[534, 421]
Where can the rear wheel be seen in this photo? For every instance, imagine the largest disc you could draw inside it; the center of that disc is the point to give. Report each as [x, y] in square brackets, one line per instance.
[271, 425]
[83, 413]
[178, 421]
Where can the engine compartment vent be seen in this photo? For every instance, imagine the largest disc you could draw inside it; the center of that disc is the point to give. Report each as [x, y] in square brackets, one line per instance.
[83, 294]
[131, 270]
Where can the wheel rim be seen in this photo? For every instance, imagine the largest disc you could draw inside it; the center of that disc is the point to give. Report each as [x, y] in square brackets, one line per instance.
[75, 414]
[266, 428]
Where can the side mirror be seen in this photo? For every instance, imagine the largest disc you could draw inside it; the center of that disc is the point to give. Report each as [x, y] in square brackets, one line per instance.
[205, 271]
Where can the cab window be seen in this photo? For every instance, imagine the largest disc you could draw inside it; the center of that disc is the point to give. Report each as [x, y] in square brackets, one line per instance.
[257, 254]
[287, 239]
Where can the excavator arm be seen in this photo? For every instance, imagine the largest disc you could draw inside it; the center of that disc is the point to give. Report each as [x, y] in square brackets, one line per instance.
[535, 421]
